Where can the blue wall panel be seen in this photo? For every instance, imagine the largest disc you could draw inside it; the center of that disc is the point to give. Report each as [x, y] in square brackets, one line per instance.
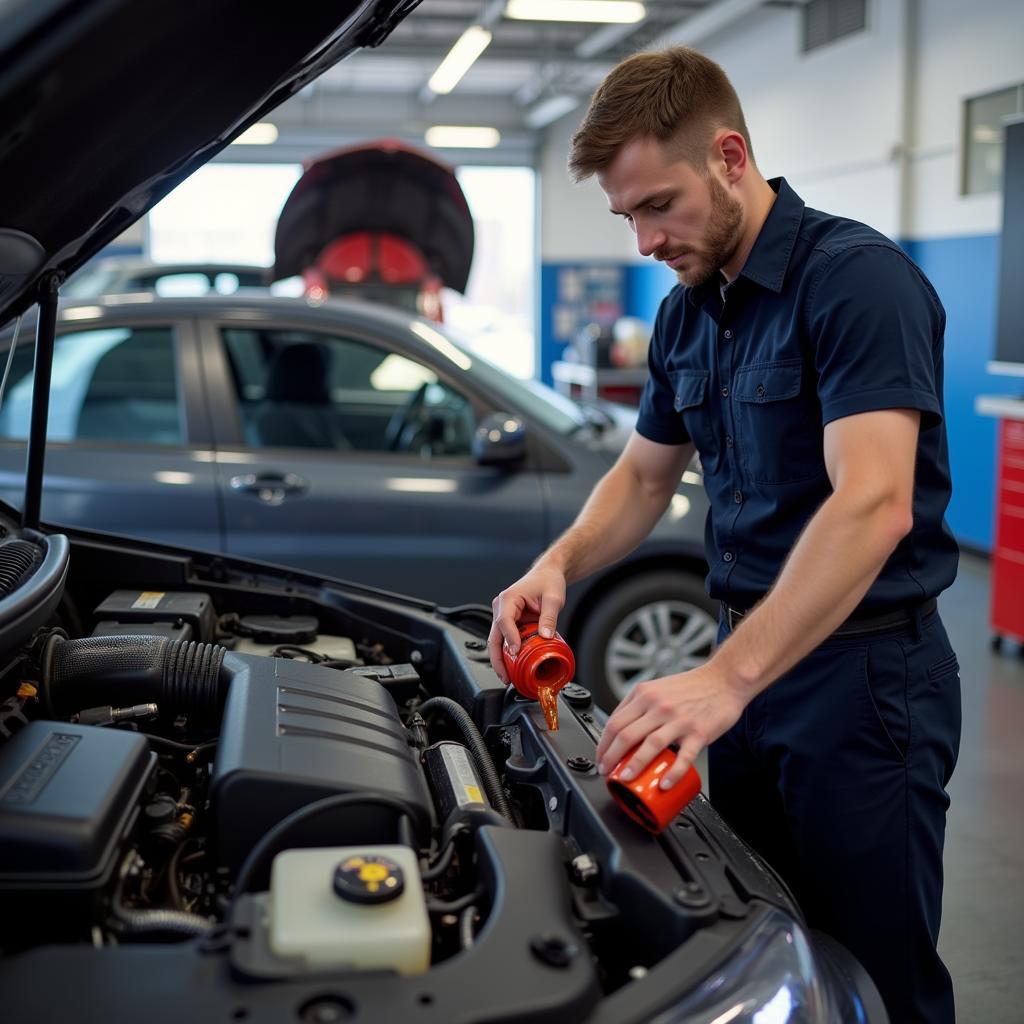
[646, 285]
[964, 273]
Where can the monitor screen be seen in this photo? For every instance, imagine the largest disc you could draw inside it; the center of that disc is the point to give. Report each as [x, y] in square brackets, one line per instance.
[1009, 354]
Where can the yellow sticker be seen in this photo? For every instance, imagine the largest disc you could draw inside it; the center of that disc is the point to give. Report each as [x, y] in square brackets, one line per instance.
[474, 794]
[149, 599]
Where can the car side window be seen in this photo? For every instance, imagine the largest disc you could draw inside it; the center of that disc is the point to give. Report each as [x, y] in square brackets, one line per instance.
[109, 384]
[303, 389]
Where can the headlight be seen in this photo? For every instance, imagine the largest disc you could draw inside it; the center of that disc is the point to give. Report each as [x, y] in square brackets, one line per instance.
[772, 977]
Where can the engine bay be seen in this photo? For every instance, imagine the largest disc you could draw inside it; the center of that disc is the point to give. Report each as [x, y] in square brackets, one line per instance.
[258, 795]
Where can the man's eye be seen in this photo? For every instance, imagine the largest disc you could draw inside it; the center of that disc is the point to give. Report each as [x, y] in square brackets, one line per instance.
[662, 207]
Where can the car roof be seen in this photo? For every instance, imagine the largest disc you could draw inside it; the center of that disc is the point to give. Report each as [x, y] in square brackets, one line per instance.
[132, 305]
[107, 105]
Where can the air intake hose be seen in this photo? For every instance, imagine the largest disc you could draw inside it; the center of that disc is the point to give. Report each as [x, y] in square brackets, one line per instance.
[184, 678]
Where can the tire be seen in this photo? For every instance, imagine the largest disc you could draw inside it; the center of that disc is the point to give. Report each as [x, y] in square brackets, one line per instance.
[646, 626]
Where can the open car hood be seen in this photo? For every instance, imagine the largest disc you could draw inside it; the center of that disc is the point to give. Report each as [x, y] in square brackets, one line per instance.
[383, 186]
[107, 105]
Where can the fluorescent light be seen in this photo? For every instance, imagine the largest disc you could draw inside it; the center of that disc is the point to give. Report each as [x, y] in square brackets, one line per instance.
[263, 133]
[551, 109]
[608, 12]
[460, 59]
[451, 136]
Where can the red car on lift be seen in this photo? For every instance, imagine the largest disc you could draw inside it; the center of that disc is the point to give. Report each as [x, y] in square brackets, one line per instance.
[380, 221]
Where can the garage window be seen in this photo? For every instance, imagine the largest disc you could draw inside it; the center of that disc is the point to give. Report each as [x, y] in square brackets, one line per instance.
[983, 138]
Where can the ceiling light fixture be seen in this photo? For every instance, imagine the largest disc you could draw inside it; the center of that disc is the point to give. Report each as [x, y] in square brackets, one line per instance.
[608, 12]
[460, 59]
[551, 109]
[451, 136]
[263, 133]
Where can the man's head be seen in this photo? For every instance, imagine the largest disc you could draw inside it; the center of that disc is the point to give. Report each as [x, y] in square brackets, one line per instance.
[666, 137]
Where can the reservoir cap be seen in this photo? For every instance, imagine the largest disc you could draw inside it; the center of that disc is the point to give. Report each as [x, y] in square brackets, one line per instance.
[368, 879]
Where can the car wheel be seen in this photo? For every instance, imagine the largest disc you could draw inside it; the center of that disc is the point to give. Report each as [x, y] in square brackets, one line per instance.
[646, 627]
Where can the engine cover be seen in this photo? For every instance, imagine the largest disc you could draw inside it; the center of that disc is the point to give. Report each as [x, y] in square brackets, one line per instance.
[294, 733]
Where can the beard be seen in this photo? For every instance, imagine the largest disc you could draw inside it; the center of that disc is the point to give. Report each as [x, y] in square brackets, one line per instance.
[725, 226]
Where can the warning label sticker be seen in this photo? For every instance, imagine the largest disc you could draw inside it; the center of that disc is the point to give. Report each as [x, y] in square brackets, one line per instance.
[149, 599]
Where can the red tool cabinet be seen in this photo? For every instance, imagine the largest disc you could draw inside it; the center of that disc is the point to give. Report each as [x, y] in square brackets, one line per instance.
[1007, 612]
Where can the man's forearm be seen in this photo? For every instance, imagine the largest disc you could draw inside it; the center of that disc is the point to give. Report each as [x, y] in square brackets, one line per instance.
[620, 513]
[834, 562]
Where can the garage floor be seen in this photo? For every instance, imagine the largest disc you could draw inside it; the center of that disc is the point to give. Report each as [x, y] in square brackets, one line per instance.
[982, 938]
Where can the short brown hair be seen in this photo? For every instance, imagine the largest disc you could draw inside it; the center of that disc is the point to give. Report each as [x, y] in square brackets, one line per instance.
[676, 95]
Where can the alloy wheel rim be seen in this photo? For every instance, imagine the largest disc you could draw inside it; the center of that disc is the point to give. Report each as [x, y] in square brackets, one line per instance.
[658, 639]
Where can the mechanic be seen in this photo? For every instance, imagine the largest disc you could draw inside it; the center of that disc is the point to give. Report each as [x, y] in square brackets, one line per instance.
[801, 353]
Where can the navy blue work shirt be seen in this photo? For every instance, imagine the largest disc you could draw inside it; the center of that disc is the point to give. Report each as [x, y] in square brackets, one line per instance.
[828, 318]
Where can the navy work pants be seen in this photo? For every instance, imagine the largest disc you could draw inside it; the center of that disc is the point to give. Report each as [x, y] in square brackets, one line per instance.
[836, 775]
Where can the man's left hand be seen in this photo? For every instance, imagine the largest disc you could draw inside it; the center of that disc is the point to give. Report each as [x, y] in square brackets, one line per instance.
[691, 709]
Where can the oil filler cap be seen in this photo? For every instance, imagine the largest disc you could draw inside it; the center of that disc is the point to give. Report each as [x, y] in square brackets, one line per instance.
[368, 879]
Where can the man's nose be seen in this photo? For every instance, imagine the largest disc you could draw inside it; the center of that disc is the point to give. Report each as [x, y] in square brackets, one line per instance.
[649, 240]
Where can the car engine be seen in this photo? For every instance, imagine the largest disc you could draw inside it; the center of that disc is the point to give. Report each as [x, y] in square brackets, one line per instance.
[233, 792]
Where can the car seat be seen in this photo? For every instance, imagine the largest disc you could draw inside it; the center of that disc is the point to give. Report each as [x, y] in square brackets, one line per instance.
[297, 411]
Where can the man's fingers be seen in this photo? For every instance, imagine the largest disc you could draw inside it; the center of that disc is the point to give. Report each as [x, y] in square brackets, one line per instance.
[550, 606]
[688, 751]
[651, 746]
[623, 732]
[494, 644]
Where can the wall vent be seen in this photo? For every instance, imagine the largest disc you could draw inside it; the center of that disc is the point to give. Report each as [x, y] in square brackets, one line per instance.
[825, 21]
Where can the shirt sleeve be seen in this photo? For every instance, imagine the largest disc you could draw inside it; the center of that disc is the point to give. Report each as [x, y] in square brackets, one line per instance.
[658, 419]
[877, 329]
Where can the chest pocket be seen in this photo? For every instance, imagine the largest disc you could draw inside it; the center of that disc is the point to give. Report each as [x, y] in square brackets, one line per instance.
[778, 423]
[690, 390]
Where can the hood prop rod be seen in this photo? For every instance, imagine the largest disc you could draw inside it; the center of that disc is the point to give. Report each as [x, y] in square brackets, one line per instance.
[46, 331]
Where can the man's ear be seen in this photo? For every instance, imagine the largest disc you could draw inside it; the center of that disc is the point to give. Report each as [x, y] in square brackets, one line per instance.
[730, 152]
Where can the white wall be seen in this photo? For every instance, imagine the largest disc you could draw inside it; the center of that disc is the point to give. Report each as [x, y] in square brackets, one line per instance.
[574, 220]
[965, 50]
[868, 127]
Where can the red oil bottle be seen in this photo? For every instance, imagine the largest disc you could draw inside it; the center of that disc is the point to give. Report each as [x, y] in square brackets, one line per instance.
[542, 666]
[643, 799]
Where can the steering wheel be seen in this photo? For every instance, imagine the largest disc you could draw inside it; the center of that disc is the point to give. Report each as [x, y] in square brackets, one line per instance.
[405, 420]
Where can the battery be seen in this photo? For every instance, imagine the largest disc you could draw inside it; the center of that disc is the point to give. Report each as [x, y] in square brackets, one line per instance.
[458, 792]
[172, 630]
[151, 606]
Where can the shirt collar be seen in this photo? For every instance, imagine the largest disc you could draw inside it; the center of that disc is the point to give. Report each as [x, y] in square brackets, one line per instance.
[768, 260]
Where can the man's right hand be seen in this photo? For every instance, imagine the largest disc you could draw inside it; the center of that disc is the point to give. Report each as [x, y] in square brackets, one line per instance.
[540, 594]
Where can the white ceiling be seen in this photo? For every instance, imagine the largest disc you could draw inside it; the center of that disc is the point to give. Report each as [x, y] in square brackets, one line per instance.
[382, 93]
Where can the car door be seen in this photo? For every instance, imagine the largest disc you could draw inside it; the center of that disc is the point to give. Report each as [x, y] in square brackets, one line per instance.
[124, 452]
[339, 454]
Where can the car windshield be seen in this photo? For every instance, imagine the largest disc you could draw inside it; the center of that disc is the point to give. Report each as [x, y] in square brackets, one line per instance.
[556, 411]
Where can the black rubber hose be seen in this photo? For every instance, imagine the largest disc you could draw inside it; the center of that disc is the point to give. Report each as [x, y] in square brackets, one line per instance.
[254, 867]
[462, 720]
[160, 925]
[182, 677]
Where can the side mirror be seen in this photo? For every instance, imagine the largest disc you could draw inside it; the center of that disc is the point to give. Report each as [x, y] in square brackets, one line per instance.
[500, 440]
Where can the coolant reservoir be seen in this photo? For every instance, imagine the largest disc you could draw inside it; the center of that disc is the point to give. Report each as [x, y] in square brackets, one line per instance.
[350, 906]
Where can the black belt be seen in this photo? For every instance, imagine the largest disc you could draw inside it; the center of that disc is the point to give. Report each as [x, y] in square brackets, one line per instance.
[860, 624]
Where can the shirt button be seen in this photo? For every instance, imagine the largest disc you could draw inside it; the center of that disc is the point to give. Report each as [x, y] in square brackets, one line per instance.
[737, 496]
[725, 392]
[727, 557]
[728, 440]
[728, 334]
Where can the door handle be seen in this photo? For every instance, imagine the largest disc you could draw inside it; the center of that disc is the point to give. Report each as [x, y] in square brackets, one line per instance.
[270, 488]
